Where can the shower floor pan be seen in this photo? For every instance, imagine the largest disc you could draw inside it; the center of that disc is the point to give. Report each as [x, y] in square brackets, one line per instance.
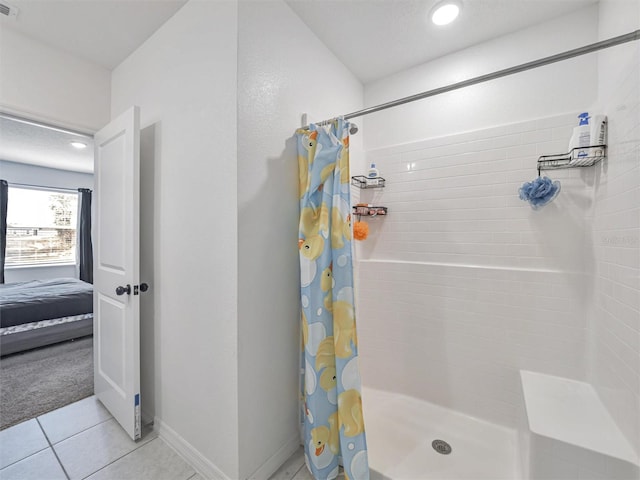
[402, 429]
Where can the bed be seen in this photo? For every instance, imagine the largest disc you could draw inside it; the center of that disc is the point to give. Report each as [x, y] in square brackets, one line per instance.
[42, 312]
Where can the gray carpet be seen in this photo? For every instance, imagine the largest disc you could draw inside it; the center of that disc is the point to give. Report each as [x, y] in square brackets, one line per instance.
[41, 380]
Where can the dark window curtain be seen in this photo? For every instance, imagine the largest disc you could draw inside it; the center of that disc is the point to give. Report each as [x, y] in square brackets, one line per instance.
[85, 248]
[4, 198]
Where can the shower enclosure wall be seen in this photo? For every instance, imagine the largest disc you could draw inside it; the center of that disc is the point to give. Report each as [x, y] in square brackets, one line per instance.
[462, 285]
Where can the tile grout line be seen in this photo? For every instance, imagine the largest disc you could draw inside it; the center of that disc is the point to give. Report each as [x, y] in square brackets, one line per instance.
[78, 433]
[17, 461]
[64, 470]
[298, 471]
[81, 431]
[121, 457]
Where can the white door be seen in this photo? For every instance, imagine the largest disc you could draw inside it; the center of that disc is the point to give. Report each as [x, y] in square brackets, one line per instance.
[116, 300]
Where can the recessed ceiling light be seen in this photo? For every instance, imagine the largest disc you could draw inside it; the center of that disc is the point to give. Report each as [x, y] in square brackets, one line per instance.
[78, 145]
[445, 12]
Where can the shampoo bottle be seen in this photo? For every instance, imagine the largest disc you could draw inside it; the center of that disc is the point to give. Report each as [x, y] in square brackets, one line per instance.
[581, 134]
[581, 138]
[372, 175]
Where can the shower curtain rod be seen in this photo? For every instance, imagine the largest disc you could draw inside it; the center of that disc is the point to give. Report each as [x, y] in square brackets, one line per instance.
[611, 42]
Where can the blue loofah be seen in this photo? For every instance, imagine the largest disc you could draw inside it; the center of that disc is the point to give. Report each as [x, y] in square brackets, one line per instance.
[539, 192]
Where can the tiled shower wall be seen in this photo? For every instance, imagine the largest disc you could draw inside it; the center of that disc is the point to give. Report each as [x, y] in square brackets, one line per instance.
[462, 284]
[615, 331]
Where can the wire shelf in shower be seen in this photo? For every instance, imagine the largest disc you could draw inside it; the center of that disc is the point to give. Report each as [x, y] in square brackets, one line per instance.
[361, 181]
[576, 158]
[369, 210]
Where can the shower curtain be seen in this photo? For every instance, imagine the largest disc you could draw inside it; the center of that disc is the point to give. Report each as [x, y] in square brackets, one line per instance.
[332, 426]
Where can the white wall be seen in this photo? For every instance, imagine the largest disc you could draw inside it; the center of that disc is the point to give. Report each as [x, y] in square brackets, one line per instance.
[562, 87]
[184, 80]
[614, 356]
[463, 284]
[14, 172]
[47, 272]
[44, 83]
[283, 71]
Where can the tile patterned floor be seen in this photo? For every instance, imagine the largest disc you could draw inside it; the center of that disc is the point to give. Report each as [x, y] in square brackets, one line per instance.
[293, 469]
[81, 441]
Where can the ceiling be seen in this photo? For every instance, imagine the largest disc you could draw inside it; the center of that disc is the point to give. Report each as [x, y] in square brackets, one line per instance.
[100, 31]
[373, 38]
[376, 38]
[27, 143]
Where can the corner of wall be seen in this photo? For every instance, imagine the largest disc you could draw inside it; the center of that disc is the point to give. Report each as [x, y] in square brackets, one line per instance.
[274, 88]
[184, 78]
[194, 457]
[614, 351]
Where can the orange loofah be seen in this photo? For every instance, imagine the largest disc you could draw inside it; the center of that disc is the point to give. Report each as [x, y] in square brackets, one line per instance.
[360, 230]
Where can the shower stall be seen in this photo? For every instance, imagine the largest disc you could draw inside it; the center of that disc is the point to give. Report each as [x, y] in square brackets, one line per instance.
[497, 341]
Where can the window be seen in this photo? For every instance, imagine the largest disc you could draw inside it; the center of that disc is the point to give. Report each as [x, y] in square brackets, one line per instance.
[41, 227]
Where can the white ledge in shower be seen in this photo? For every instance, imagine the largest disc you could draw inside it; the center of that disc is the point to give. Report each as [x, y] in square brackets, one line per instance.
[470, 266]
[570, 432]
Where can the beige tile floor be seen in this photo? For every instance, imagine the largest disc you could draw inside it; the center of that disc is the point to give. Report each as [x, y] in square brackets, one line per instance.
[293, 469]
[82, 440]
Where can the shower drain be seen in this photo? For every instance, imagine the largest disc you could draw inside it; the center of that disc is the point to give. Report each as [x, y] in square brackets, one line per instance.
[441, 446]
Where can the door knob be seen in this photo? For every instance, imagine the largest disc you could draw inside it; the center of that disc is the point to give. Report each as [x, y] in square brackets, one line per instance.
[144, 287]
[123, 290]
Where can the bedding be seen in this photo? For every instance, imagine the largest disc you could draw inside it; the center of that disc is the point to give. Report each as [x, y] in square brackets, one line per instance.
[43, 312]
[26, 302]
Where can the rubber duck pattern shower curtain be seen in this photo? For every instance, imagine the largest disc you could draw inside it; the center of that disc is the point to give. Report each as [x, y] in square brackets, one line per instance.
[332, 425]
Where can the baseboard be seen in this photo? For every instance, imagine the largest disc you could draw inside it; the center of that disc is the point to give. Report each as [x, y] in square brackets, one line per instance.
[192, 456]
[272, 465]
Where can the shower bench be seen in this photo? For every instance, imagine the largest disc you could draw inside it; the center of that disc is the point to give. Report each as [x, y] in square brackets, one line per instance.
[566, 432]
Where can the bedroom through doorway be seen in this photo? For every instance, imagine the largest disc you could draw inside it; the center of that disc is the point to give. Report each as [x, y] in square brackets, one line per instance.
[46, 297]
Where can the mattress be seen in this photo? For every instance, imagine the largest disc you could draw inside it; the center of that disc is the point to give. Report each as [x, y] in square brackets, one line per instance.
[37, 300]
[45, 332]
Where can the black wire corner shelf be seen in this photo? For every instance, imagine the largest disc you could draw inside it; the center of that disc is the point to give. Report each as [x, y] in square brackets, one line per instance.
[369, 211]
[361, 181]
[576, 158]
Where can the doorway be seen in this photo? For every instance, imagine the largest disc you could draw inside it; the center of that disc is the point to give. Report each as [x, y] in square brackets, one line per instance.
[46, 353]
